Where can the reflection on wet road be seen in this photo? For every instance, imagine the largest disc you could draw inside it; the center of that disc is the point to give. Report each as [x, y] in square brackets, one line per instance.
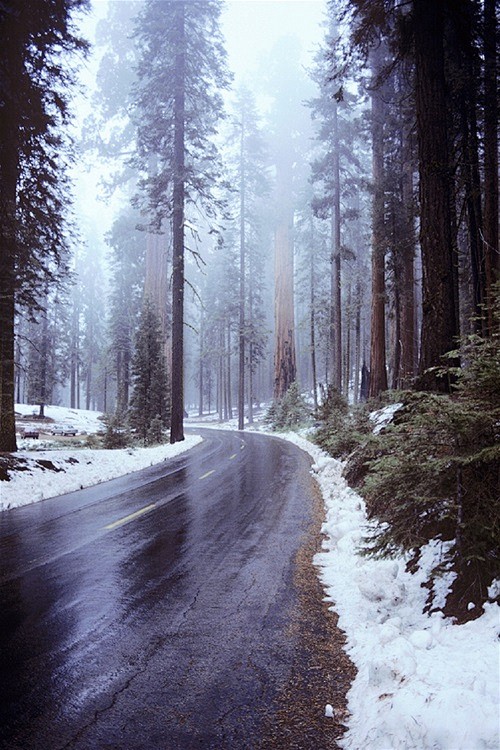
[150, 612]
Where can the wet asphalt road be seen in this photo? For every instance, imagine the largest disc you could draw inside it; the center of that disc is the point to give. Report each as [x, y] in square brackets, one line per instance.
[151, 612]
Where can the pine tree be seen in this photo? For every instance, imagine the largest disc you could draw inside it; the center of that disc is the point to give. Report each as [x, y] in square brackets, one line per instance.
[34, 78]
[181, 72]
[150, 393]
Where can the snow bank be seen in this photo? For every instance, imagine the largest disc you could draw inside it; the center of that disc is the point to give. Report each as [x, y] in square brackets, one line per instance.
[84, 420]
[422, 681]
[76, 469]
[382, 417]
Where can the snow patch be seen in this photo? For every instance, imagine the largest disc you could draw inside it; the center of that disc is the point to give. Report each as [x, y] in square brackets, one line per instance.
[423, 681]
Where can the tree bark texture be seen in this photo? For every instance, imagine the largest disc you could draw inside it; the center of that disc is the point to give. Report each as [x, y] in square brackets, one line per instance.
[285, 364]
[491, 218]
[9, 168]
[156, 286]
[336, 280]
[439, 293]
[378, 370]
[241, 324]
[177, 414]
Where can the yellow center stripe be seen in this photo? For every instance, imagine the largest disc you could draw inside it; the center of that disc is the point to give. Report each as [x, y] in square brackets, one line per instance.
[208, 474]
[131, 517]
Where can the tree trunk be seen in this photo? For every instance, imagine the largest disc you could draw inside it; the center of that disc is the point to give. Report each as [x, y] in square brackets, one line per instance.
[491, 243]
[241, 331]
[156, 286]
[229, 374]
[336, 281]
[357, 345]
[407, 313]
[9, 171]
[312, 319]
[378, 371]
[177, 414]
[439, 293]
[285, 364]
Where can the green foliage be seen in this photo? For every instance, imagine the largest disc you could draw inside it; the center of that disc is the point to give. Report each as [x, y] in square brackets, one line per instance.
[435, 472]
[155, 431]
[116, 435]
[288, 412]
[150, 396]
[341, 430]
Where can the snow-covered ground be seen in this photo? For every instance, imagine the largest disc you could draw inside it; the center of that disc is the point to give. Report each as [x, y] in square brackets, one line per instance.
[74, 467]
[423, 683]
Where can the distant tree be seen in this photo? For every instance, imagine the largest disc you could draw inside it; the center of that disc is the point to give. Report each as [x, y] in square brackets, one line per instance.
[41, 368]
[248, 164]
[93, 316]
[34, 80]
[126, 294]
[178, 102]
[290, 128]
[326, 173]
[150, 391]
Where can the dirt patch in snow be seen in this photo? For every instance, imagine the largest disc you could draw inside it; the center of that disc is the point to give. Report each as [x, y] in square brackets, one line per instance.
[321, 671]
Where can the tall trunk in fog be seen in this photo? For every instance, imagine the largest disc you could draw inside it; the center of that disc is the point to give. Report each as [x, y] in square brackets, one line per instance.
[403, 262]
[177, 415]
[378, 371]
[439, 294]
[156, 285]
[229, 374]
[285, 366]
[251, 363]
[75, 346]
[357, 341]
[312, 317]
[336, 281]
[241, 328]
[491, 112]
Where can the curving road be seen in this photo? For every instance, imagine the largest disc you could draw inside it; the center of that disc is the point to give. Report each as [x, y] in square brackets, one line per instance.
[152, 612]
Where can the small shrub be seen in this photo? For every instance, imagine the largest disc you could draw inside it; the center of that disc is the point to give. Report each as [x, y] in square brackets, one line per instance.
[288, 412]
[342, 430]
[116, 435]
[155, 432]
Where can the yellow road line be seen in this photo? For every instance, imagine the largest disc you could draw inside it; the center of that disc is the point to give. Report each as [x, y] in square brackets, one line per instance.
[208, 474]
[131, 517]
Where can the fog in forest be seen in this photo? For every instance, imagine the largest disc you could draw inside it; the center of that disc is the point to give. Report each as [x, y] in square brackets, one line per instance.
[246, 182]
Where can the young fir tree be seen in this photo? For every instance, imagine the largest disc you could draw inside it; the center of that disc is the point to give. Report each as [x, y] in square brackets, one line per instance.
[34, 79]
[150, 394]
[178, 103]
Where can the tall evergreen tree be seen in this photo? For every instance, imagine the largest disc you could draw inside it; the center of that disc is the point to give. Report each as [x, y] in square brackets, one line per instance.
[178, 101]
[150, 392]
[34, 79]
